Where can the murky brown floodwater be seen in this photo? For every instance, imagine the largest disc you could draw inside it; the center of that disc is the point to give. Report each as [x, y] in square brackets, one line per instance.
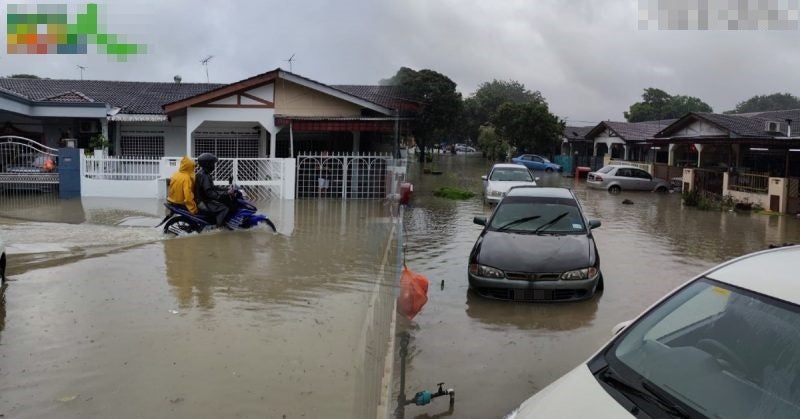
[108, 318]
[496, 354]
[105, 317]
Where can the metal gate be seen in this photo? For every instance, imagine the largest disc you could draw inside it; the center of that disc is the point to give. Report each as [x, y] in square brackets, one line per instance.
[342, 176]
[27, 167]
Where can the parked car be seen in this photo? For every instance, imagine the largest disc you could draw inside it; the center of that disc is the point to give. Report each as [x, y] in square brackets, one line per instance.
[724, 345]
[536, 246]
[534, 162]
[616, 178]
[2, 262]
[503, 177]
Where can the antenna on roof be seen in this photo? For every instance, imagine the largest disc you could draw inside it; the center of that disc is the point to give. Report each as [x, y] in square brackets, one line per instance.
[82, 69]
[290, 61]
[204, 62]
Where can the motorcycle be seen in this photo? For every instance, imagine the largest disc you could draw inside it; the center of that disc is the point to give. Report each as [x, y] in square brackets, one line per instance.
[179, 221]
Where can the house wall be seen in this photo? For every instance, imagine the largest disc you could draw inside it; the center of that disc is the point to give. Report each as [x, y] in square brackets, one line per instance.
[293, 99]
[699, 128]
[608, 138]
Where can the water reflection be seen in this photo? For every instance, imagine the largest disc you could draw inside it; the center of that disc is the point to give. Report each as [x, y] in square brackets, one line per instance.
[189, 271]
[505, 315]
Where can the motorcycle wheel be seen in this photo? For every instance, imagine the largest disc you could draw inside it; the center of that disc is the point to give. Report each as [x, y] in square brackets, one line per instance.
[180, 226]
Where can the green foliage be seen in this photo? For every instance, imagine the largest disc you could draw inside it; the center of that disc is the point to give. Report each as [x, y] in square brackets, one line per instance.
[494, 148]
[479, 108]
[657, 104]
[530, 127]
[99, 142]
[453, 193]
[441, 103]
[773, 102]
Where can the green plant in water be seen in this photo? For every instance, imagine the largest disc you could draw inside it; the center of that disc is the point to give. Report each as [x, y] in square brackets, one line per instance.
[453, 193]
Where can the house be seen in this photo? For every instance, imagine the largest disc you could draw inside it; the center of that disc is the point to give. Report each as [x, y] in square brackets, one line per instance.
[624, 140]
[273, 114]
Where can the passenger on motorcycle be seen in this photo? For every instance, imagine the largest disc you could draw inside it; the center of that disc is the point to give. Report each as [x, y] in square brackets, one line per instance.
[215, 200]
[181, 186]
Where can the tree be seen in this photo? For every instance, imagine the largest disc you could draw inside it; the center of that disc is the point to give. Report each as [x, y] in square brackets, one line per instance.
[441, 103]
[763, 103]
[24, 76]
[479, 107]
[494, 147]
[530, 127]
[657, 105]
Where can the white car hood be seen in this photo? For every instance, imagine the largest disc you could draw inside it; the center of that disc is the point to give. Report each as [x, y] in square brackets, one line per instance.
[505, 186]
[575, 395]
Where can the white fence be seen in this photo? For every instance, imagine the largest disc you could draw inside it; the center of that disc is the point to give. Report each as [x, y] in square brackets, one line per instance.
[261, 178]
[345, 176]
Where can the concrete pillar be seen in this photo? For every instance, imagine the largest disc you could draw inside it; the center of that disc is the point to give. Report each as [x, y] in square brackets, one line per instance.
[273, 138]
[699, 148]
[670, 155]
[356, 142]
[69, 172]
[594, 149]
[262, 142]
[737, 155]
[625, 151]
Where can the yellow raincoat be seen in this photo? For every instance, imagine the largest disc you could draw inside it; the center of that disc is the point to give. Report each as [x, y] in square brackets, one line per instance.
[181, 186]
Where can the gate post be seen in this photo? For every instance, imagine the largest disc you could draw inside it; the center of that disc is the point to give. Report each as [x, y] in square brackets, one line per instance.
[69, 173]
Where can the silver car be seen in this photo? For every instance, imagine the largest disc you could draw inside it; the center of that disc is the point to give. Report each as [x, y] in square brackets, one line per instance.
[616, 178]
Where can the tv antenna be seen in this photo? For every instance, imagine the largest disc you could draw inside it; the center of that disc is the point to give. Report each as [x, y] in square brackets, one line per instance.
[82, 69]
[204, 62]
[290, 61]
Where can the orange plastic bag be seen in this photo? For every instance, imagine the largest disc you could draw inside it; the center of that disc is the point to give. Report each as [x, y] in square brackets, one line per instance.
[413, 293]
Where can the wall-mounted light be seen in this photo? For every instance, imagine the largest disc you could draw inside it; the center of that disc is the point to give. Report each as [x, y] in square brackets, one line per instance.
[758, 149]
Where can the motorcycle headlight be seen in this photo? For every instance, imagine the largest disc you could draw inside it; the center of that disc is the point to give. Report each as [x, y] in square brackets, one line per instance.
[577, 274]
[485, 271]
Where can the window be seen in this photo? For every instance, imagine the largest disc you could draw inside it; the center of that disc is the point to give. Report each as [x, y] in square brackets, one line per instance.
[227, 144]
[141, 144]
[625, 172]
[511, 175]
[538, 159]
[640, 174]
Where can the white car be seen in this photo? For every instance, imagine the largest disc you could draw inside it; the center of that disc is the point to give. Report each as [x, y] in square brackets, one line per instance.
[503, 177]
[724, 345]
[2, 262]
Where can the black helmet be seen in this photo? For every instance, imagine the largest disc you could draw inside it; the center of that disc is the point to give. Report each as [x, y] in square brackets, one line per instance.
[207, 161]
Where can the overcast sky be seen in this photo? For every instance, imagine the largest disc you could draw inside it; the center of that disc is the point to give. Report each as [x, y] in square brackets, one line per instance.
[586, 56]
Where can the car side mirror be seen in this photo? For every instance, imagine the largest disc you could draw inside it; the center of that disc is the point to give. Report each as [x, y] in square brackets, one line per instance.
[594, 224]
[481, 221]
[484, 177]
[620, 327]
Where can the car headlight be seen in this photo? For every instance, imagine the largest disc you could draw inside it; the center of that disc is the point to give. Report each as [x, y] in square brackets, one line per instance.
[485, 271]
[495, 193]
[577, 274]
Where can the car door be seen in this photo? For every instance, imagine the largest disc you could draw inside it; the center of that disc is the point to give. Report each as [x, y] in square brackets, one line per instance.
[623, 177]
[644, 182]
[537, 163]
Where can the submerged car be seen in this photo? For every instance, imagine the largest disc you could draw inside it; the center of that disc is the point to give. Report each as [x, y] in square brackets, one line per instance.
[724, 345]
[536, 246]
[535, 162]
[616, 178]
[503, 177]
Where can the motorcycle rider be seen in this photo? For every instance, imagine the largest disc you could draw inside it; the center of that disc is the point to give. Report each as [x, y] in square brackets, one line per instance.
[181, 186]
[214, 200]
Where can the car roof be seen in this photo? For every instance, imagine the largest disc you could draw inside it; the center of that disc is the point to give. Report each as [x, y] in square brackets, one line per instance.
[508, 166]
[626, 166]
[771, 272]
[543, 192]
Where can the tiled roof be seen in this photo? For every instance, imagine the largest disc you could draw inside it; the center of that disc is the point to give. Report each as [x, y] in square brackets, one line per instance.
[69, 97]
[637, 131]
[386, 96]
[752, 124]
[576, 133]
[132, 97]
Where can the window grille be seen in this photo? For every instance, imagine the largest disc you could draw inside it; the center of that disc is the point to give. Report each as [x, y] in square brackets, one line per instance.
[227, 144]
[141, 145]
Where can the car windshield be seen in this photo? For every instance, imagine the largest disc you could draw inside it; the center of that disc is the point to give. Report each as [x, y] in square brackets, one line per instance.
[719, 350]
[511, 175]
[605, 169]
[538, 215]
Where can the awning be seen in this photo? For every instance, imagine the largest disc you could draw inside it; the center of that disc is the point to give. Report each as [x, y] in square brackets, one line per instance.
[128, 117]
[374, 124]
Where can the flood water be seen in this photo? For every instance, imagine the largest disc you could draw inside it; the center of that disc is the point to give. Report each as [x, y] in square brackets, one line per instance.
[104, 316]
[495, 354]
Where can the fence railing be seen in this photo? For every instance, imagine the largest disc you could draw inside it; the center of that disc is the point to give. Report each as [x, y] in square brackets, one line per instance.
[749, 182]
[121, 168]
[343, 176]
[647, 167]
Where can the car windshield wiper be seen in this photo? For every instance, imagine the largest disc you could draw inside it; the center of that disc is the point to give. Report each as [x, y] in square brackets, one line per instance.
[550, 223]
[647, 392]
[517, 221]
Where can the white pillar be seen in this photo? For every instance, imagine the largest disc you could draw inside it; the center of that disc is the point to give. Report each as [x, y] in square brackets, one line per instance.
[625, 152]
[699, 148]
[671, 155]
[262, 142]
[291, 141]
[272, 143]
